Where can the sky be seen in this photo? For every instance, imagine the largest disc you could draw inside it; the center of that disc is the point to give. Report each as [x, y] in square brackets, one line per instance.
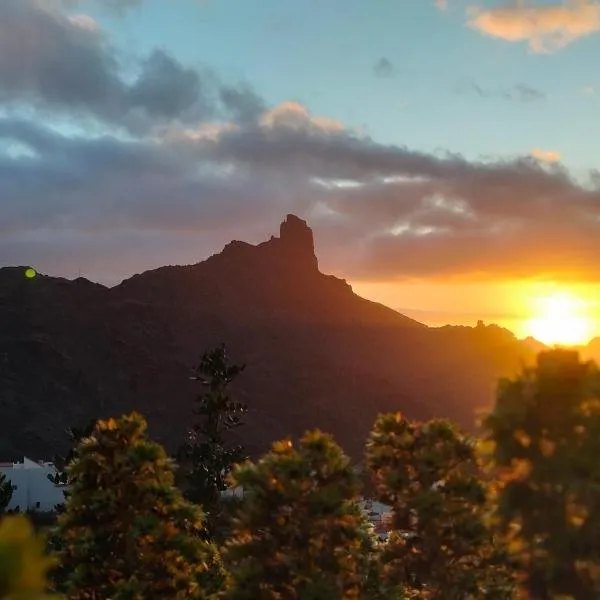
[445, 153]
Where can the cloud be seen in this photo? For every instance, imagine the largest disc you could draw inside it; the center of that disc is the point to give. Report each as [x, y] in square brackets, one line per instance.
[53, 61]
[204, 162]
[384, 68]
[165, 89]
[545, 155]
[242, 102]
[294, 117]
[84, 22]
[378, 211]
[544, 28]
[115, 6]
[519, 92]
[47, 57]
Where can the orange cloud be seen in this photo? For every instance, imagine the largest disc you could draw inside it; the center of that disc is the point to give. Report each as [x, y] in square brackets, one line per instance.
[543, 28]
[545, 155]
[293, 115]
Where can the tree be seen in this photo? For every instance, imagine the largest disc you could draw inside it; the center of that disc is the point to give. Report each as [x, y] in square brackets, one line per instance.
[300, 533]
[59, 573]
[127, 531]
[376, 587]
[75, 435]
[6, 492]
[440, 546]
[23, 565]
[543, 441]
[207, 455]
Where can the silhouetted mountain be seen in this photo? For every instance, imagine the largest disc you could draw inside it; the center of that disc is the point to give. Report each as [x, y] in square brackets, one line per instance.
[534, 345]
[592, 350]
[317, 354]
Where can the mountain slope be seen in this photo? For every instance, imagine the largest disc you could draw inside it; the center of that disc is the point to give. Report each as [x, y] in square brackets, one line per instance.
[317, 354]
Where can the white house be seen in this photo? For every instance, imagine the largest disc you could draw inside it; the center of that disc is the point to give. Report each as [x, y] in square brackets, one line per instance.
[32, 490]
[379, 516]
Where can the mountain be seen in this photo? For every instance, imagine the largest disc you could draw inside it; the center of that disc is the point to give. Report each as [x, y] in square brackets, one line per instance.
[592, 350]
[317, 354]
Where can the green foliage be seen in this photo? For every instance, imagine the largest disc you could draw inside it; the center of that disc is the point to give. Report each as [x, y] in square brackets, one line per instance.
[440, 546]
[376, 587]
[206, 454]
[6, 492]
[300, 533]
[59, 574]
[23, 565]
[127, 532]
[543, 439]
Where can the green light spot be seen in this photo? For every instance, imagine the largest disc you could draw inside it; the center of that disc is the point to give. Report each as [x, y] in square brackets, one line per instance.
[30, 273]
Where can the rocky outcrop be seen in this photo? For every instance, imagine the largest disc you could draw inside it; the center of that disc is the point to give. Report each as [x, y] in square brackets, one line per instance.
[297, 242]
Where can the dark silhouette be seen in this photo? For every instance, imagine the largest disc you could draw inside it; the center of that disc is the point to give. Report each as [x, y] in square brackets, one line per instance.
[61, 477]
[207, 455]
[318, 355]
[6, 492]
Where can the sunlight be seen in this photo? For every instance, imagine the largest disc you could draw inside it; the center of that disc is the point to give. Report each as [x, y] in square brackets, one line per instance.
[561, 320]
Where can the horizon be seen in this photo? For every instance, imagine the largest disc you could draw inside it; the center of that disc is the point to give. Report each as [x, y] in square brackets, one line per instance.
[442, 151]
[432, 319]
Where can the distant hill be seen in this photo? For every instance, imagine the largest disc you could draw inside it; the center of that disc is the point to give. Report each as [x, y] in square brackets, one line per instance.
[317, 354]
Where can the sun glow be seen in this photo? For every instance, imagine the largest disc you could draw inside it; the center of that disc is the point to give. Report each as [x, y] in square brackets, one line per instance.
[561, 320]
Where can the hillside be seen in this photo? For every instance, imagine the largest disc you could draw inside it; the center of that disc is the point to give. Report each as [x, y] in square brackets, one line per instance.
[317, 355]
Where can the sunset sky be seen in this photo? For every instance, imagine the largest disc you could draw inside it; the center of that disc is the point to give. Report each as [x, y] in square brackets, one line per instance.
[446, 154]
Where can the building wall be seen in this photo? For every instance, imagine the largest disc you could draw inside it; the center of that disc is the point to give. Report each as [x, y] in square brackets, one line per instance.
[31, 488]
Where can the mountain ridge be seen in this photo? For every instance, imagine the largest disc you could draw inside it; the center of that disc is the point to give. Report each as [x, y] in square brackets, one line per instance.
[318, 355]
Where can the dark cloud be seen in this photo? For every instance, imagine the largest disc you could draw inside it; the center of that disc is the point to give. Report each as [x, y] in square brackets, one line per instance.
[242, 103]
[519, 92]
[45, 57]
[166, 89]
[405, 213]
[205, 162]
[108, 184]
[384, 68]
[53, 61]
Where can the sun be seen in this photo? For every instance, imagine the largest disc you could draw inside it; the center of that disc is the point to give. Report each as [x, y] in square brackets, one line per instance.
[560, 321]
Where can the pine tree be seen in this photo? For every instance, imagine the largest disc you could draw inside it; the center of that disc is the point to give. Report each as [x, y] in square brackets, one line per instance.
[75, 435]
[6, 492]
[440, 546]
[23, 565]
[127, 531]
[300, 533]
[543, 440]
[207, 456]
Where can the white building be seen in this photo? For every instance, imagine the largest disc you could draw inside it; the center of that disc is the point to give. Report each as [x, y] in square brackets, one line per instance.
[32, 490]
[379, 516]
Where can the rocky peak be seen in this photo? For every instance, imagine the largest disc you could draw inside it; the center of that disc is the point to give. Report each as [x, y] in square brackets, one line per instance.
[297, 242]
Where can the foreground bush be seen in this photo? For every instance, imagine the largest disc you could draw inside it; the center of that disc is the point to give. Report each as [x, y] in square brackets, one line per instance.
[440, 546]
[543, 439]
[299, 533]
[23, 565]
[127, 532]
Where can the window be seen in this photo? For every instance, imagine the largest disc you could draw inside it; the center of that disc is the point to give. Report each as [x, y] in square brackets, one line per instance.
[37, 504]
